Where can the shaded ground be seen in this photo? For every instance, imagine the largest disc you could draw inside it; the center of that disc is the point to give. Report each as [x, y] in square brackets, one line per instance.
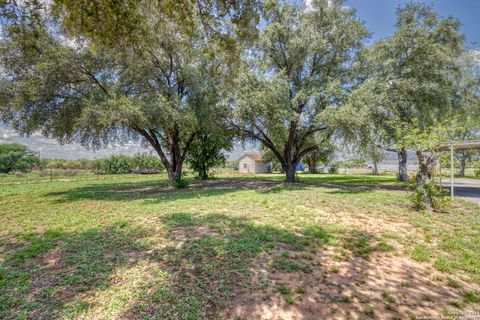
[329, 247]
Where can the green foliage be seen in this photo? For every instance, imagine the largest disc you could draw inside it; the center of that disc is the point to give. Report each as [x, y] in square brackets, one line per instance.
[411, 83]
[180, 184]
[130, 71]
[16, 157]
[433, 194]
[324, 155]
[302, 69]
[355, 163]
[471, 297]
[116, 164]
[144, 161]
[333, 168]
[212, 139]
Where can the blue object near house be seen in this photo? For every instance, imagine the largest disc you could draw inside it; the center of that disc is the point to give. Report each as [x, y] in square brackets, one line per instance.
[299, 167]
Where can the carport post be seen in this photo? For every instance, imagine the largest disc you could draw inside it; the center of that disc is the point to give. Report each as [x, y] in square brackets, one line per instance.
[451, 170]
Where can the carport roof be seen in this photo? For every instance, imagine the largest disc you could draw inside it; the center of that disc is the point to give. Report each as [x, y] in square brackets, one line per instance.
[460, 145]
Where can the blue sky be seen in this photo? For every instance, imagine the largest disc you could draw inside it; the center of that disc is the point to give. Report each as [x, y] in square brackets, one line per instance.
[379, 18]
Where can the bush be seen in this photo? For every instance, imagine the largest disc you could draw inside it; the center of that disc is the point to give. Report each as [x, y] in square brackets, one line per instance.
[180, 184]
[123, 164]
[432, 193]
[111, 165]
[16, 157]
[333, 168]
[116, 164]
[144, 161]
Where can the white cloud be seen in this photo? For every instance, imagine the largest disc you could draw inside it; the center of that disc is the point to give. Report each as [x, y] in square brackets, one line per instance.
[50, 148]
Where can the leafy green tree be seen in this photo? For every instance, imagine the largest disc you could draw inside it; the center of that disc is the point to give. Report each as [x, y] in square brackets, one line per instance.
[371, 151]
[425, 142]
[214, 136]
[324, 154]
[412, 77]
[301, 69]
[467, 119]
[207, 152]
[104, 71]
[16, 157]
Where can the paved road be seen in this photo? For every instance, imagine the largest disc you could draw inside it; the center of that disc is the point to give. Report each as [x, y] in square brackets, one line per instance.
[467, 189]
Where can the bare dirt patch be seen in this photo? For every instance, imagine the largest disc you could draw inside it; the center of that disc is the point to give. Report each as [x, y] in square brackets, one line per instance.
[382, 287]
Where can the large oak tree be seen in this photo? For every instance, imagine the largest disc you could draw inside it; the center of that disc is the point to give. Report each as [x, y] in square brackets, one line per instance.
[300, 70]
[102, 71]
[413, 79]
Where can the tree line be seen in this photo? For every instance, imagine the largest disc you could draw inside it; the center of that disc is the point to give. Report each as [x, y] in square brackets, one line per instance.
[15, 157]
[187, 77]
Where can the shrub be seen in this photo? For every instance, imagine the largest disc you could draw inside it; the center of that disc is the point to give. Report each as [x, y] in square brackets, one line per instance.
[180, 184]
[333, 168]
[145, 161]
[110, 165]
[433, 194]
[116, 164]
[16, 157]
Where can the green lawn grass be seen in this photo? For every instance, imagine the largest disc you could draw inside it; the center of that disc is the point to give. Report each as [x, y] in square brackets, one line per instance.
[130, 247]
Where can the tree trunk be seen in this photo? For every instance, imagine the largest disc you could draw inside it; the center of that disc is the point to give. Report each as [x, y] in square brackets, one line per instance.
[312, 166]
[426, 166]
[312, 163]
[463, 163]
[202, 172]
[402, 165]
[290, 172]
[174, 173]
[375, 168]
[174, 165]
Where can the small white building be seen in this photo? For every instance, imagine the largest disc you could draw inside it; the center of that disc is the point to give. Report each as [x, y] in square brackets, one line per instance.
[253, 163]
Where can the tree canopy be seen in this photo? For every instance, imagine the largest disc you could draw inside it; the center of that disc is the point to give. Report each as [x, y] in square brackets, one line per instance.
[301, 68]
[102, 71]
[412, 79]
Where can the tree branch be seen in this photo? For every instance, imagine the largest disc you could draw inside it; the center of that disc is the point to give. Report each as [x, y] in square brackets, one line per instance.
[97, 82]
[304, 152]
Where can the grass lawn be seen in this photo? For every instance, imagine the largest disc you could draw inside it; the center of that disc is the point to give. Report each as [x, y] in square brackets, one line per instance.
[236, 247]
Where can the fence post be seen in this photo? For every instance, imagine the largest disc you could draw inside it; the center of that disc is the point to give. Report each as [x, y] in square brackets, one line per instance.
[451, 171]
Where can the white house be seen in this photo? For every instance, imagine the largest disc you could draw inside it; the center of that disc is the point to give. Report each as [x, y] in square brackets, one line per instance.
[253, 163]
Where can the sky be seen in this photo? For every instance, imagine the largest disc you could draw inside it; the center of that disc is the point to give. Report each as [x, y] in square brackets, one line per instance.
[379, 18]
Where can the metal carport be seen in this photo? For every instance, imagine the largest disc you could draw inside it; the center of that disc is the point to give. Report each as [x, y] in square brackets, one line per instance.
[456, 146]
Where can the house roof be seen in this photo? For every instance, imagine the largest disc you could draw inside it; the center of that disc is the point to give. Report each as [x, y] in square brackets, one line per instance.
[253, 156]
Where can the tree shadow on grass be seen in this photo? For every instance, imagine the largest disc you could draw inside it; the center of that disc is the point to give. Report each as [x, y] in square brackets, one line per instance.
[214, 257]
[44, 275]
[157, 192]
[213, 266]
[224, 267]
